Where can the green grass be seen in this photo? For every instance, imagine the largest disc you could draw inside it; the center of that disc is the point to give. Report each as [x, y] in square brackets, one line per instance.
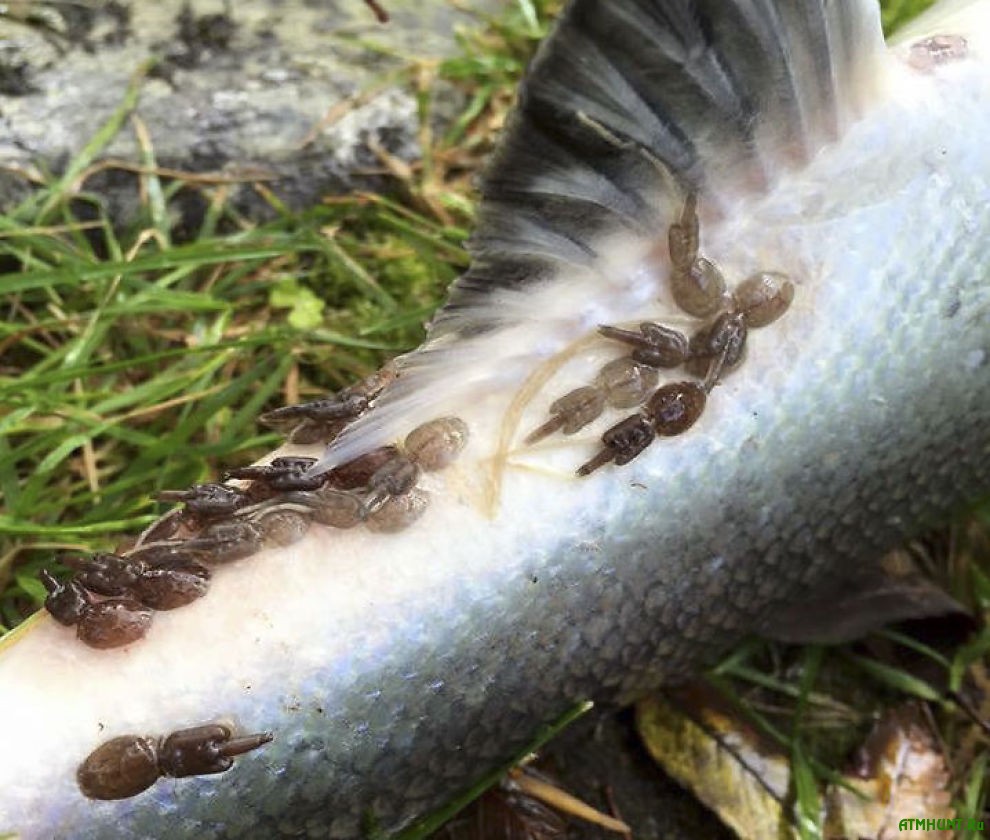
[896, 13]
[819, 704]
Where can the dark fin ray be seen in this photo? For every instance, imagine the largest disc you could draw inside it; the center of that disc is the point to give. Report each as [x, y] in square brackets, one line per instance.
[629, 106]
[630, 101]
[857, 606]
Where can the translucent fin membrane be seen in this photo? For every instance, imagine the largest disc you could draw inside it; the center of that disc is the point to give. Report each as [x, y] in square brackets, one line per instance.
[630, 104]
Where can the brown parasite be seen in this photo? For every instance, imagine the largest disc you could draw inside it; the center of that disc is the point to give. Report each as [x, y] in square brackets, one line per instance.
[387, 501]
[697, 285]
[716, 348]
[208, 501]
[282, 474]
[268, 526]
[320, 421]
[435, 445]
[127, 765]
[379, 488]
[672, 410]
[111, 623]
[173, 582]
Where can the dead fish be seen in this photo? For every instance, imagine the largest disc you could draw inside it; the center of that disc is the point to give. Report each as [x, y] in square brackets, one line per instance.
[664, 154]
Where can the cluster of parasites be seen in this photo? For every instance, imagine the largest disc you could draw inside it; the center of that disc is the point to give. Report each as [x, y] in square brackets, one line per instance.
[714, 349]
[111, 598]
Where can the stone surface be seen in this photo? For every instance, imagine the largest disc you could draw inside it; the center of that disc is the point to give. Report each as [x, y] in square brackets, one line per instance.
[298, 90]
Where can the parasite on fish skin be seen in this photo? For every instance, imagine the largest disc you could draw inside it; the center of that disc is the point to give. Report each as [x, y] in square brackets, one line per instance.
[656, 345]
[571, 413]
[623, 442]
[282, 527]
[236, 539]
[436, 443]
[356, 473]
[208, 500]
[670, 411]
[174, 582]
[928, 53]
[696, 283]
[129, 764]
[395, 477]
[226, 541]
[106, 574]
[396, 513]
[719, 347]
[165, 575]
[330, 506]
[100, 624]
[676, 407]
[285, 473]
[625, 382]
[170, 586]
[320, 421]
[66, 602]
[763, 298]
[114, 623]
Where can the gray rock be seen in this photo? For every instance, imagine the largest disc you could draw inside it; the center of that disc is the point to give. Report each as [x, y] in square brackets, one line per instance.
[290, 89]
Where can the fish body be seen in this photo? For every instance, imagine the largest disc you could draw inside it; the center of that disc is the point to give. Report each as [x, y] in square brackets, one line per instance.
[395, 670]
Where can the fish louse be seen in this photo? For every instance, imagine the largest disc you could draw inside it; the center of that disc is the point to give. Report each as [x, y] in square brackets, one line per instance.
[129, 764]
[713, 350]
[111, 598]
[436, 444]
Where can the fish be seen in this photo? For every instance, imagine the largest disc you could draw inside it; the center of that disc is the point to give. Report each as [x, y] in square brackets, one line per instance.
[392, 667]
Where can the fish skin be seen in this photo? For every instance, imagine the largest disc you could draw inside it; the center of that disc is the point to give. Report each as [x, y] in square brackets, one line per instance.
[396, 669]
